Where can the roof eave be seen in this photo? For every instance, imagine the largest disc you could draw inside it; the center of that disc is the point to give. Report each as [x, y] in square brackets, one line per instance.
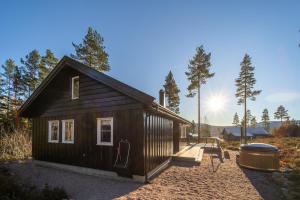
[115, 84]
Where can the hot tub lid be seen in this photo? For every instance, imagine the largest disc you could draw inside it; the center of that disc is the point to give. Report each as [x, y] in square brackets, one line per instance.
[259, 147]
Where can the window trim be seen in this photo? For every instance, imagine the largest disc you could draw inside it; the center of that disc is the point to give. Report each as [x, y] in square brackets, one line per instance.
[50, 131]
[99, 142]
[63, 131]
[72, 90]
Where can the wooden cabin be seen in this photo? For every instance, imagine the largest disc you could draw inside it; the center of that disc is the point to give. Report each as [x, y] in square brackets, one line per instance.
[79, 115]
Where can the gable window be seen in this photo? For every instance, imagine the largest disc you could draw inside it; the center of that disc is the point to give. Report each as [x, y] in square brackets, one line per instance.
[53, 131]
[75, 87]
[68, 131]
[105, 131]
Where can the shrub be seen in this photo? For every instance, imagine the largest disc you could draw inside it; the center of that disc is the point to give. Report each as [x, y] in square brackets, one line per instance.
[291, 130]
[297, 162]
[15, 146]
[10, 189]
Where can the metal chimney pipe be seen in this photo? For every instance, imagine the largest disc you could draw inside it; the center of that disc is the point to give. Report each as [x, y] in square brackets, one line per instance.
[162, 100]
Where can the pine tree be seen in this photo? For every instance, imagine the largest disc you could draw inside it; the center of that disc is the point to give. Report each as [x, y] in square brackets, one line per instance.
[18, 87]
[92, 51]
[48, 62]
[281, 113]
[245, 88]
[172, 93]
[253, 122]
[266, 119]
[248, 119]
[2, 103]
[197, 74]
[31, 70]
[193, 127]
[236, 120]
[8, 69]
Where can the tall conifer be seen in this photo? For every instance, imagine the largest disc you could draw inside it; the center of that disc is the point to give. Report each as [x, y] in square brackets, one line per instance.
[8, 69]
[2, 101]
[198, 73]
[31, 71]
[172, 93]
[245, 88]
[253, 122]
[236, 120]
[281, 113]
[92, 51]
[266, 119]
[48, 62]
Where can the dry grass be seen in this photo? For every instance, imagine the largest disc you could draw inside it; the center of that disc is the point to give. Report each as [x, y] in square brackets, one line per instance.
[289, 148]
[15, 146]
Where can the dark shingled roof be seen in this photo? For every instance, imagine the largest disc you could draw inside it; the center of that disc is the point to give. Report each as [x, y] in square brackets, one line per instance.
[236, 131]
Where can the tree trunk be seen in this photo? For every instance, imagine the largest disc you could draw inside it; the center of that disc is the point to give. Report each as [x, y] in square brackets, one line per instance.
[8, 99]
[199, 113]
[245, 122]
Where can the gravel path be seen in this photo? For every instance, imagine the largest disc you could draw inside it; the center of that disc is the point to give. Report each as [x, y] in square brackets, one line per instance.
[179, 181]
[225, 181]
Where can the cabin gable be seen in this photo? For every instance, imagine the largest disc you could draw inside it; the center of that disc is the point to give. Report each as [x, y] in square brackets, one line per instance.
[56, 99]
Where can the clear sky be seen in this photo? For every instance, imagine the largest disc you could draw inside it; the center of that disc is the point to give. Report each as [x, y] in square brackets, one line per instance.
[146, 39]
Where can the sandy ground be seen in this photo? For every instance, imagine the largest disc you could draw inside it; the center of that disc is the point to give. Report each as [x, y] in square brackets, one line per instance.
[223, 181]
[180, 181]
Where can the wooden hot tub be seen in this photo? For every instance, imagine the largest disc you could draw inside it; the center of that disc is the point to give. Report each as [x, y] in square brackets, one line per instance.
[259, 156]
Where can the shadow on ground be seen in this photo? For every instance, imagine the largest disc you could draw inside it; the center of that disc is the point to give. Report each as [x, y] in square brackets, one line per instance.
[216, 157]
[263, 183]
[78, 186]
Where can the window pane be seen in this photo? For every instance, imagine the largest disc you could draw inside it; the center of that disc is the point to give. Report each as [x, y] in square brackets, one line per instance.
[104, 131]
[68, 131]
[105, 136]
[75, 87]
[54, 130]
[105, 125]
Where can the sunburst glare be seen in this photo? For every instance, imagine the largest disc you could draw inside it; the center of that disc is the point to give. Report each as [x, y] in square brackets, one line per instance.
[216, 102]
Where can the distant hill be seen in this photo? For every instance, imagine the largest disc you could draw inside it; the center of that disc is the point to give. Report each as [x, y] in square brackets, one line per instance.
[275, 124]
[216, 130]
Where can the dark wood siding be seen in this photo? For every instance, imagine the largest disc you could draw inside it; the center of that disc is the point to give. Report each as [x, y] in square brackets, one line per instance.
[158, 140]
[176, 135]
[96, 100]
[85, 152]
[94, 96]
[149, 133]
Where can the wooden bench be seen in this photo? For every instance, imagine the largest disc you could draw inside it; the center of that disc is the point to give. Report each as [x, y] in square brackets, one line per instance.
[216, 140]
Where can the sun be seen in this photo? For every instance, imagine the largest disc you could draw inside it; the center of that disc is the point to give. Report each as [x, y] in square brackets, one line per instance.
[216, 102]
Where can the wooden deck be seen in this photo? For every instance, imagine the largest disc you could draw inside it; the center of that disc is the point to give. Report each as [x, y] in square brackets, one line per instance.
[191, 153]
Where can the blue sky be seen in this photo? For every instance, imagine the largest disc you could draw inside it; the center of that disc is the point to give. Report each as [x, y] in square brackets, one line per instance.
[146, 39]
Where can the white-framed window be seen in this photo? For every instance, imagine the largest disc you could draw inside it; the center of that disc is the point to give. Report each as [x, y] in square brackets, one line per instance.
[75, 87]
[105, 131]
[68, 131]
[53, 131]
[183, 131]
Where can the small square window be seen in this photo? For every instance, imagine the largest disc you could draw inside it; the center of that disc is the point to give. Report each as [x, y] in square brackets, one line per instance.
[68, 131]
[75, 87]
[53, 131]
[105, 131]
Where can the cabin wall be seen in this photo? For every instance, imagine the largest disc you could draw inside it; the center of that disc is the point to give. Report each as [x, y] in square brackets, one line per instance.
[183, 137]
[158, 140]
[176, 135]
[96, 100]
[85, 152]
